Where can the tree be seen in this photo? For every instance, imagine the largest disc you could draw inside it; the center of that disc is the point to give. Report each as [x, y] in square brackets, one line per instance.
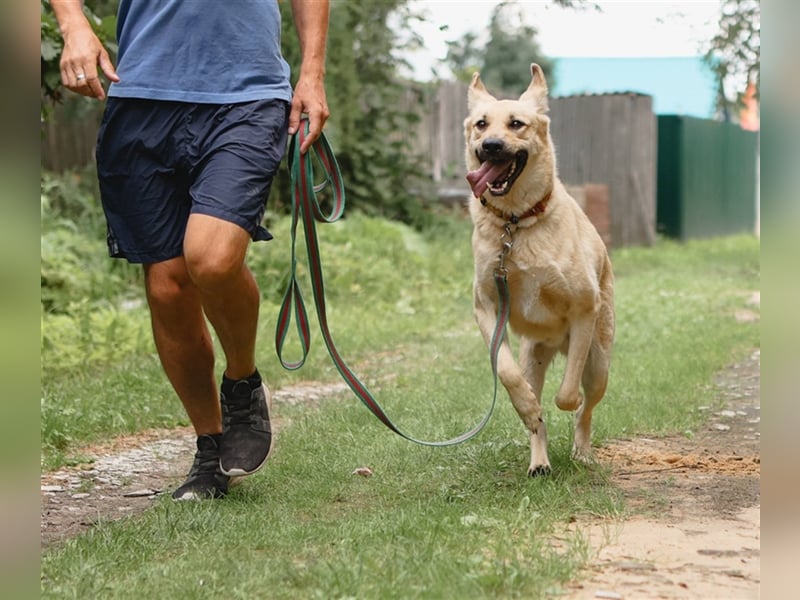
[464, 56]
[511, 49]
[504, 62]
[735, 51]
[372, 110]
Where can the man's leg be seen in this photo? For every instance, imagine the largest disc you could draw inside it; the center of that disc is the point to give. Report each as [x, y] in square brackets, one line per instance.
[183, 342]
[187, 355]
[215, 257]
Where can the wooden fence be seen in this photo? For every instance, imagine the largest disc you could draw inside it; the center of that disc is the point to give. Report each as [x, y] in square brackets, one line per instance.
[69, 135]
[612, 139]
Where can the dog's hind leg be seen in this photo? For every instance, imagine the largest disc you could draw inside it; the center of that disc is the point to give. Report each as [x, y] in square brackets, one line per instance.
[595, 372]
[595, 380]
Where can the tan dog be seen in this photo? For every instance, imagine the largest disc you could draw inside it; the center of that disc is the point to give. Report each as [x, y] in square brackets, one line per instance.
[560, 279]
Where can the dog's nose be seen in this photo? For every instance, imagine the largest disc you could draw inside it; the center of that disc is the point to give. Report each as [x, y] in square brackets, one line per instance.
[492, 146]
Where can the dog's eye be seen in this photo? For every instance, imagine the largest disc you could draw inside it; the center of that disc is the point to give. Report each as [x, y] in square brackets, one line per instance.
[516, 124]
[480, 124]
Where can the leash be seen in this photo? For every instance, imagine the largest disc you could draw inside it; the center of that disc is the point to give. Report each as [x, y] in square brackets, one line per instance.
[306, 207]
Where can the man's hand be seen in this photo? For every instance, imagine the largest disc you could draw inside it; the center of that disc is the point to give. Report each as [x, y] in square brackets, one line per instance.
[309, 98]
[83, 52]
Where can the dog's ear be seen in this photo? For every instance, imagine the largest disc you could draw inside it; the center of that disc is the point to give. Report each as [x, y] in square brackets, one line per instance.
[477, 91]
[537, 90]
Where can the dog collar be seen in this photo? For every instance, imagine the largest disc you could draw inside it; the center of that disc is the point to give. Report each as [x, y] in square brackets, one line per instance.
[534, 211]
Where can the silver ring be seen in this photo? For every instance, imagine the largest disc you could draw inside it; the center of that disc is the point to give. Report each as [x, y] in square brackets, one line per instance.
[80, 76]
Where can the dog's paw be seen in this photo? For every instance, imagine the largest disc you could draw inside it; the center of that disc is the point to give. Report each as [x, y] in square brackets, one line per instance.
[539, 471]
[583, 454]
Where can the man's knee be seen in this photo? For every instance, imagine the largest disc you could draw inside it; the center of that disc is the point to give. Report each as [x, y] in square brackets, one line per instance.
[214, 251]
[168, 284]
[213, 268]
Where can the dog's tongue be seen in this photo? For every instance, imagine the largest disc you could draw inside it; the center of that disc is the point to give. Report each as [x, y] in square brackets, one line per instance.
[479, 180]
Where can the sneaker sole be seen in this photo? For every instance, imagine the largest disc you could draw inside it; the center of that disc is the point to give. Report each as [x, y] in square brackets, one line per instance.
[194, 497]
[242, 472]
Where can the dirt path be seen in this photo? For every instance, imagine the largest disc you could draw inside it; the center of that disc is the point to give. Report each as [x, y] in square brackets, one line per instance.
[695, 532]
[694, 502]
[128, 473]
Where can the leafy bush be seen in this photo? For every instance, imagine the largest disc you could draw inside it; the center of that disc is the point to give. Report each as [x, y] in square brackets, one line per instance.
[93, 334]
[74, 263]
[91, 311]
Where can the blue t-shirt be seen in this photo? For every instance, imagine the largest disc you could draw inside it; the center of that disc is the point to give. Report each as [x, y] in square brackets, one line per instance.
[202, 51]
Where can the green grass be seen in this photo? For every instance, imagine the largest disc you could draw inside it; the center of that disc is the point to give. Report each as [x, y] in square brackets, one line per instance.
[462, 521]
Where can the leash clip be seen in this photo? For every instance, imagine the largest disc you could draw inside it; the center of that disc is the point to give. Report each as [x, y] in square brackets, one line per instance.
[506, 243]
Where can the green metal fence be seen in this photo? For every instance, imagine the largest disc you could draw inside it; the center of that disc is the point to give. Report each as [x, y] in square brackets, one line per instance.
[707, 178]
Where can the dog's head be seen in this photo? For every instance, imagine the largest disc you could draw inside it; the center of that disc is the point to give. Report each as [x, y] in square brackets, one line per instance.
[506, 138]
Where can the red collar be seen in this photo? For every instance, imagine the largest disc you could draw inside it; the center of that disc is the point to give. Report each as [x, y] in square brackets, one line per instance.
[535, 211]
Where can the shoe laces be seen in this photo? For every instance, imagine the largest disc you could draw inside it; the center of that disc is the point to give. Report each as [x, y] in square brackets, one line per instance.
[239, 409]
[205, 461]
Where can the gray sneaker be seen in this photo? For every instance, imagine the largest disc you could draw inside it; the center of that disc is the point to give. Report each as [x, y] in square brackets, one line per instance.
[205, 479]
[246, 431]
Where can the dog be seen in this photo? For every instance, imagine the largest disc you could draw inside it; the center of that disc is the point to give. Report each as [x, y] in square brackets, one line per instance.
[558, 272]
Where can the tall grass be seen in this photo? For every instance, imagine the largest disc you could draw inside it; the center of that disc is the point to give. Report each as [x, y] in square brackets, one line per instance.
[462, 521]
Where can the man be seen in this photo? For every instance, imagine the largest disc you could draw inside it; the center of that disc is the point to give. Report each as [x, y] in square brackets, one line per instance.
[193, 132]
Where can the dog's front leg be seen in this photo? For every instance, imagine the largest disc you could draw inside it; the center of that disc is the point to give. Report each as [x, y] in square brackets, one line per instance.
[519, 390]
[580, 340]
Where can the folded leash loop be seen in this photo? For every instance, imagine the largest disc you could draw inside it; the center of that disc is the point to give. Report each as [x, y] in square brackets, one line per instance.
[306, 206]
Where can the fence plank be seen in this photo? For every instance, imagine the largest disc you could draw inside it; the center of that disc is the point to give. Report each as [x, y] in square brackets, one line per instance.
[611, 139]
[69, 135]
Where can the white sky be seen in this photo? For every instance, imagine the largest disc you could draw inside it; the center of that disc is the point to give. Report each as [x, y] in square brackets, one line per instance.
[623, 28]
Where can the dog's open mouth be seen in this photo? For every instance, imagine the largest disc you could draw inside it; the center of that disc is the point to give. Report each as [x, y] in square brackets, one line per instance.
[497, 177]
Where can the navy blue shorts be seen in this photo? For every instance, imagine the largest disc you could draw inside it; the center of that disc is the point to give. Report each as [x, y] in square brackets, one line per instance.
[159, 161]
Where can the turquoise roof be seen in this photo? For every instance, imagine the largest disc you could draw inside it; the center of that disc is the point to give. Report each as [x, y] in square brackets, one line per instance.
[679, 85]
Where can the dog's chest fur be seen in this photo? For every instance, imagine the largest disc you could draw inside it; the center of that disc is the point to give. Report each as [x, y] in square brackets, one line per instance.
[544, 300]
